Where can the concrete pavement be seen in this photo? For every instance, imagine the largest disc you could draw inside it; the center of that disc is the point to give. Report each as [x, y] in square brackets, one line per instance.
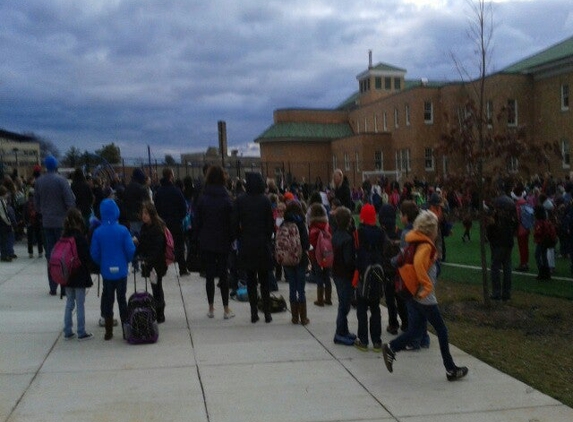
[220, 370]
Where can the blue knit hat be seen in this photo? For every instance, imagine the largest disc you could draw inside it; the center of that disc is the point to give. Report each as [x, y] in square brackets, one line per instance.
[51, 163]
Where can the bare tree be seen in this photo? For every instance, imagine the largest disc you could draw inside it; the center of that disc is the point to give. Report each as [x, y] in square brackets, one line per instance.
[486, 145]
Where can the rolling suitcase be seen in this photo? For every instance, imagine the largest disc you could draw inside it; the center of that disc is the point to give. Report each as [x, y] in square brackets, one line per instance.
[141, 326]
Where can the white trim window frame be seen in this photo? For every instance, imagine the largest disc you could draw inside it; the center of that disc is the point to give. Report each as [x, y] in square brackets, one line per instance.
[429, 159]
[512, 113]
[428, 112]
[346, 162]
[407, 114]
[566, 154]
[396, 117]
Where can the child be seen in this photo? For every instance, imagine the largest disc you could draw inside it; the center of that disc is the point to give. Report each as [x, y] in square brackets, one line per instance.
[319, 222]
[544, 236]
[78, 282]
[6, 229]
[467, 222]
[112, 248]
[151, 249]
[420, 278]
[33, 221]
[342, 272]
[371, 240]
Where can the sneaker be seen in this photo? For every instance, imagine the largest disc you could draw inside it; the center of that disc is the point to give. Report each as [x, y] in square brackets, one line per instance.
[360, 346]
[101, 322]
[347, 341]
[86, 336]
[69, 336]
[351, 336]
[30, 255]
[457, 373]
[389, 357]
[412, 347]
[229, 315]
[41, 254]
[377, 347]
[210, 314]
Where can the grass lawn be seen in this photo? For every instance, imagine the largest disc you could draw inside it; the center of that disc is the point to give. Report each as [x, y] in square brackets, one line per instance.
[529, 337]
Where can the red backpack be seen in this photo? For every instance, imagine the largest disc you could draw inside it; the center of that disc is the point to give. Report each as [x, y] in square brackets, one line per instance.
[64, 260]
[169, 248]
[324, 252]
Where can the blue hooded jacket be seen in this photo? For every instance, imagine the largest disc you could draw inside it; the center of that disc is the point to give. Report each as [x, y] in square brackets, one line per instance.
[112, 247]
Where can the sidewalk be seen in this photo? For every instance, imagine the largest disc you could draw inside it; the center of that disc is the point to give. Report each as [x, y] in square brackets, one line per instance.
[220, 370]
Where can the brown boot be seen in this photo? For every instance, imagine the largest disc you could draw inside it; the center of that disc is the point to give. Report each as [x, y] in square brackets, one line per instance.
[294, 312]
[108, 329]
[328, 294]
[302, 312]
[319, 296]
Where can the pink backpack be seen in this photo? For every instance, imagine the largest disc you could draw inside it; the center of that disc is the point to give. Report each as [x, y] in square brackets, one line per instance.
[169, 248]
[288, 249]
[323, 252]
[64, 260]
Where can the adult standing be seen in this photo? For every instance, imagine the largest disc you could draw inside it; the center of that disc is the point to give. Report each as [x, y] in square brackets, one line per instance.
[522, 231]
[500, 232]
[84, 195]
[254, 226]
[342, 189]
[53, 197]
[213, 220]
[134, 196]
[172, 208]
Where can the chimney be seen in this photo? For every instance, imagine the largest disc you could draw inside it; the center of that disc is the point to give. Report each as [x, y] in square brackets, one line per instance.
[369, 59]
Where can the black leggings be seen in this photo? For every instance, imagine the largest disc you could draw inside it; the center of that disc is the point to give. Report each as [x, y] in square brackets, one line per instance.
[216, 266]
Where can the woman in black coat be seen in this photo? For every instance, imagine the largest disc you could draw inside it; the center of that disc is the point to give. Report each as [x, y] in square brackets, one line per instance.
[254, 225]
[213, 222]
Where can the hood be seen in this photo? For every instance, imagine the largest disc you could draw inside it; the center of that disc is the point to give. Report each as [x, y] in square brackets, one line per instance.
[416, 236]
[387, 216]
[255, 183]
[138, 175]
[109, 211]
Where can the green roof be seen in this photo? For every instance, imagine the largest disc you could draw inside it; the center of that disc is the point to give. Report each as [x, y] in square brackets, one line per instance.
[558, 51]
[387, 68]
[305, 132]
[349, 103]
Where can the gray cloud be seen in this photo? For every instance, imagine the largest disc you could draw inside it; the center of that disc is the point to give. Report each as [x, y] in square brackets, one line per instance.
[142, 72]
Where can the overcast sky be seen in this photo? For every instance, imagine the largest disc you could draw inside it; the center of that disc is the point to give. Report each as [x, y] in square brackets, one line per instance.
[162, 73]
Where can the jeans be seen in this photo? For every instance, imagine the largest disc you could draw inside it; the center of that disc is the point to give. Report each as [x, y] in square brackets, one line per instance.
[296, 278]
[344, 292]
[362, 307]
[395, 305]
[321, 276]
[34, 233]
[501, 259]
[75, 296]
[216, 266]
[51, 236]
[417, 313]
[111, 289]
[541, 258]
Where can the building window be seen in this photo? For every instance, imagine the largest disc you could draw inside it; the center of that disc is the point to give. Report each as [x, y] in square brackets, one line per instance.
[512, 112]
[385, 122]
[375, 123]
[365, 85]
[513, 165]
[334, 162]
[378, 160]
[564, 97]
[357, 126]
[403, 160]
[396, 118]
[357, 158]
[387, 84]
[565, 153]
[346, 162]
[378, 82]
[407, 115]
[429, 159]
[397, 84]
[428, 112]
[489, 113]
[365, 125]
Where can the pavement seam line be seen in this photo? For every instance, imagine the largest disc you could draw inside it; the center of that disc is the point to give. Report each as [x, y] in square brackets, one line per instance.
[194, 354]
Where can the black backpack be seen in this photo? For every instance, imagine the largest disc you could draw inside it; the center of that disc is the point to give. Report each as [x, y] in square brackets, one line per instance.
[371, 281]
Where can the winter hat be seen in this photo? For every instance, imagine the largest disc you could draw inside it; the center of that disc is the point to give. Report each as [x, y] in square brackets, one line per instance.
[368, 214]
[288, 196]
[387, 216]
[138, 175]
[51, 163]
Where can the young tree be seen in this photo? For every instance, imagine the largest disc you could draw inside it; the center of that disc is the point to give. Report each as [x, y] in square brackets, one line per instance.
[169, 160]
[486, 146]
